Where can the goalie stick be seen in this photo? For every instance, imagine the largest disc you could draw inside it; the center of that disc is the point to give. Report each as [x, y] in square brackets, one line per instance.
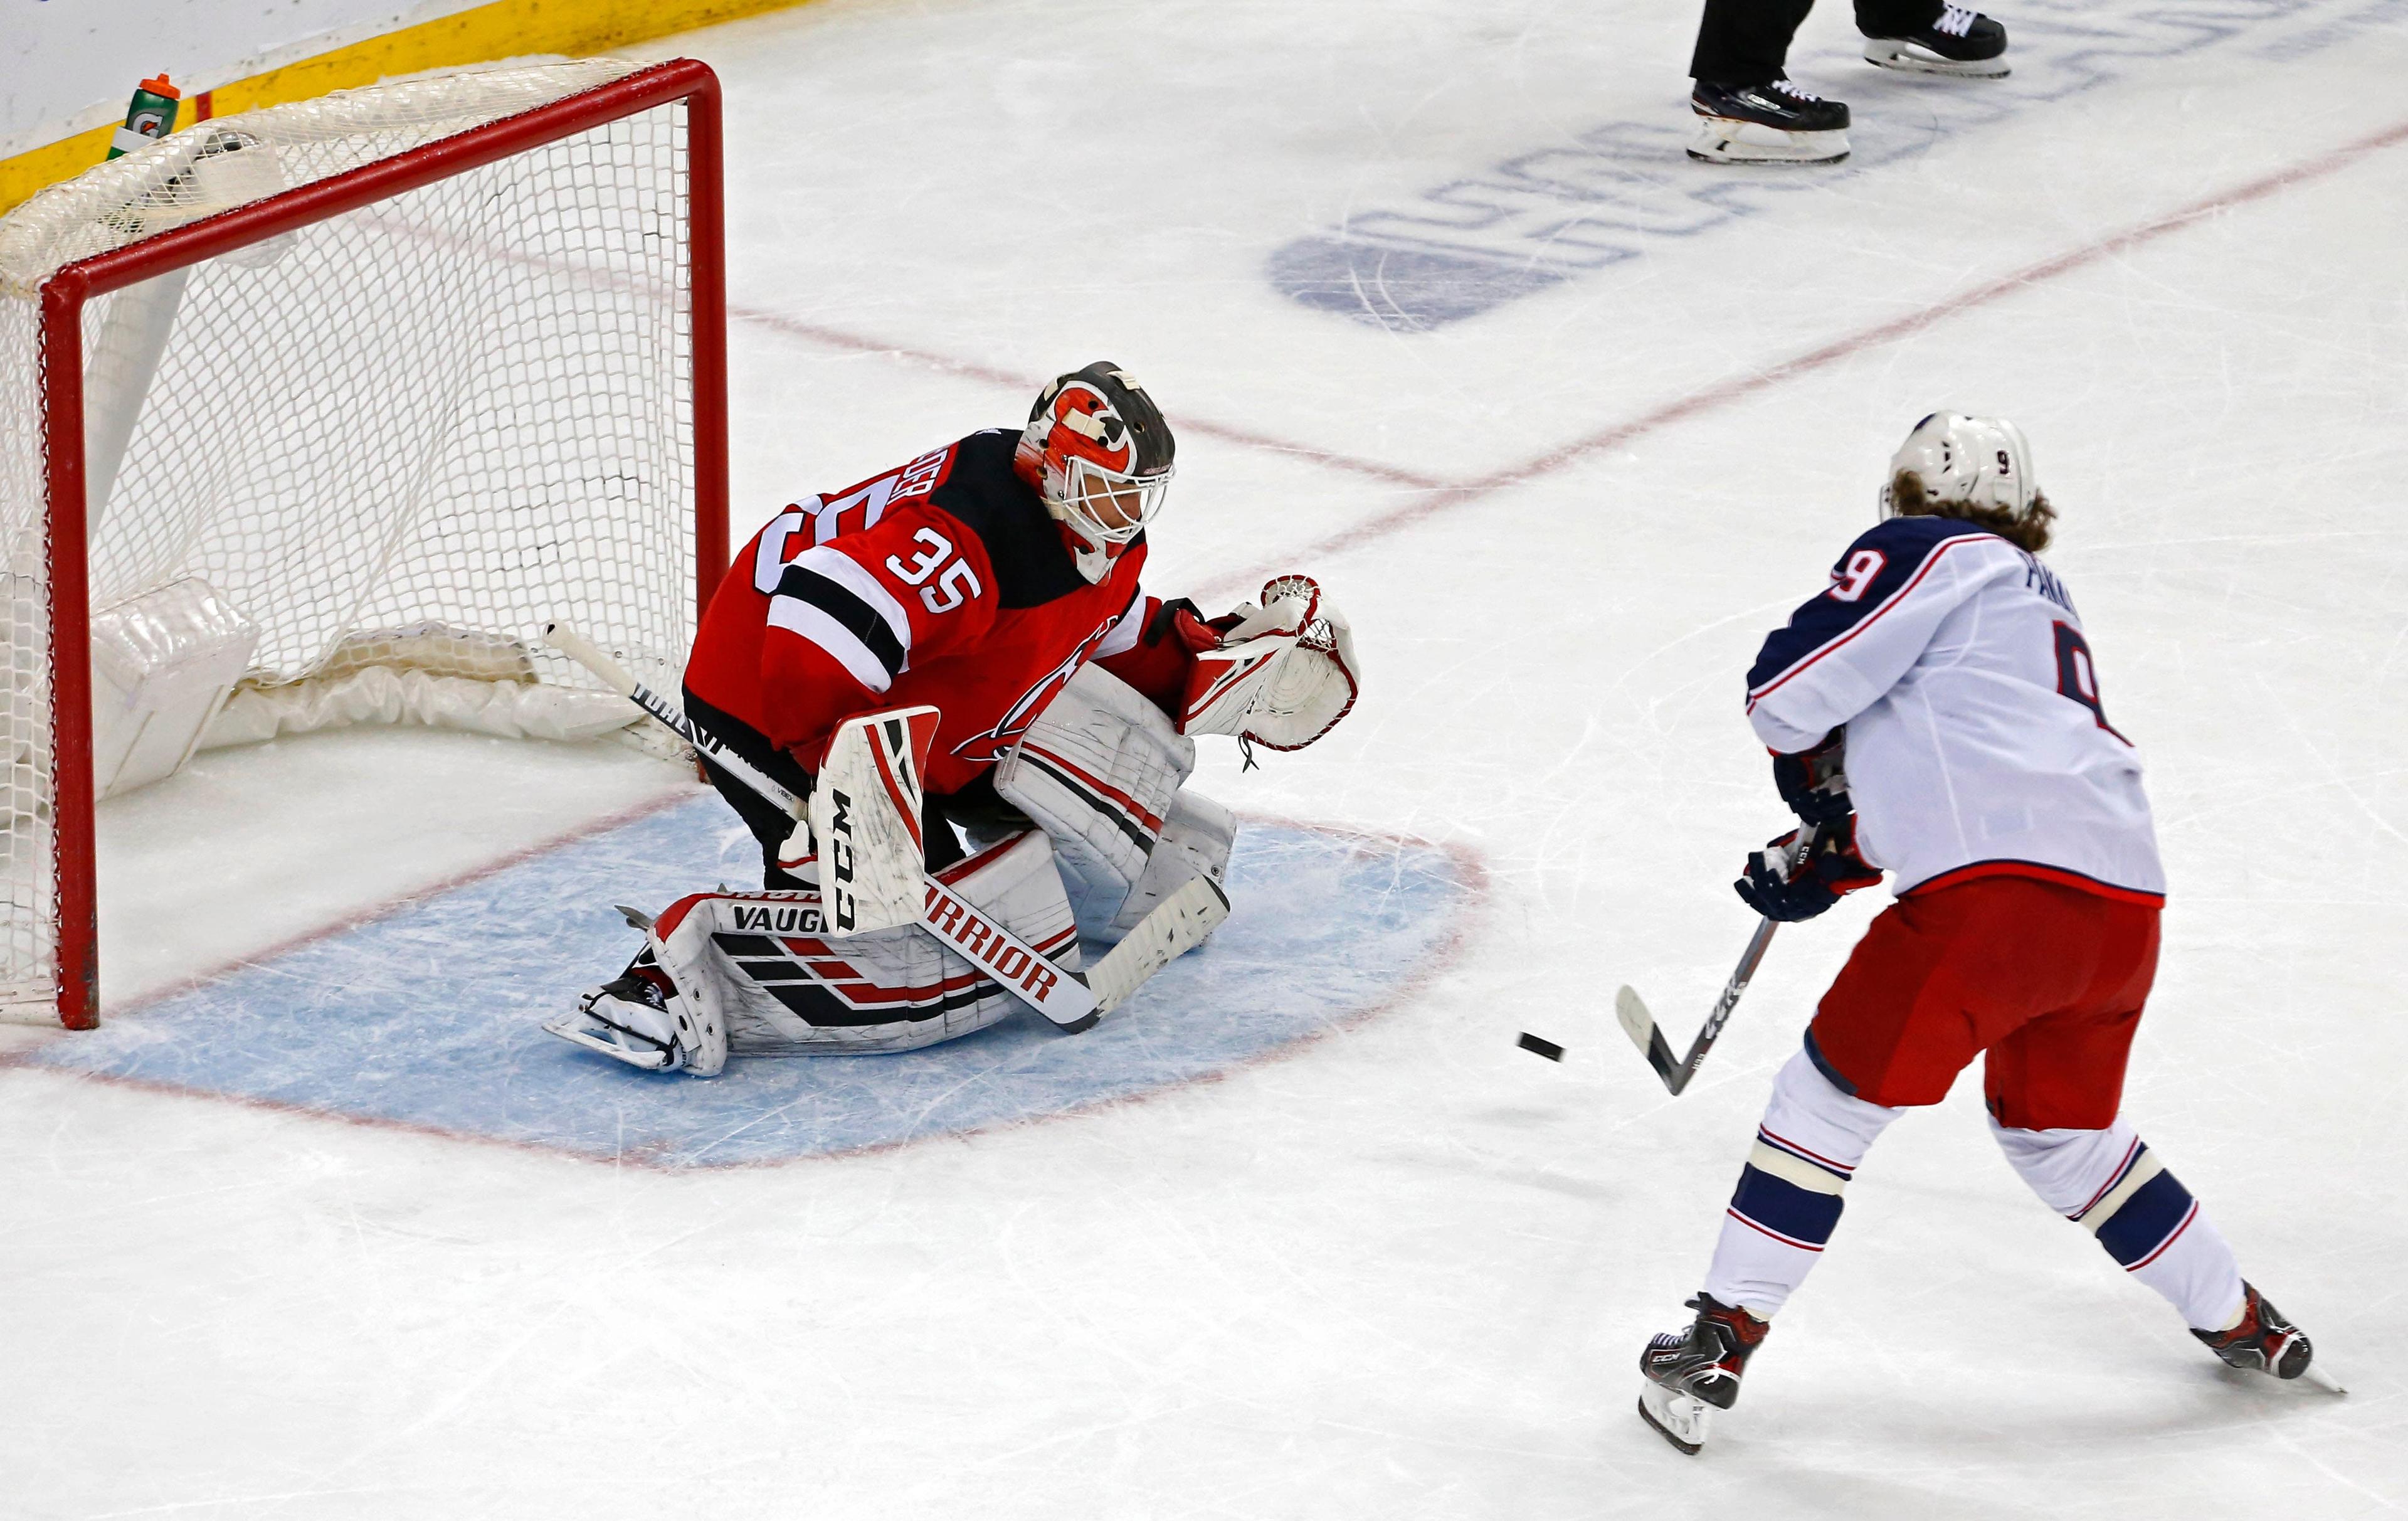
[1071, 1000]
[1630, 1012]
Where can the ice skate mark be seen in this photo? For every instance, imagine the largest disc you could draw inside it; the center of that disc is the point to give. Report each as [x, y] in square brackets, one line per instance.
[412, 1021]
[1723, 393]
[1027, 384]
[617, 819]
[1528, 222]
[2332, 33]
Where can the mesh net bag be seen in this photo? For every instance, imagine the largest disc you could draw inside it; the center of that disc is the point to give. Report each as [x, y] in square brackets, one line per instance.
[397, 435]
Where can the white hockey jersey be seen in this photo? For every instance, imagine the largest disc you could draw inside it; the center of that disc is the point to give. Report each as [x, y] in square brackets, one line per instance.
[1977, 743]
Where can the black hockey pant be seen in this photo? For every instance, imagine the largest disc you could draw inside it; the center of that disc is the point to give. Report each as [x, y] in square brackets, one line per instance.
[768, 822]
[1747, 41]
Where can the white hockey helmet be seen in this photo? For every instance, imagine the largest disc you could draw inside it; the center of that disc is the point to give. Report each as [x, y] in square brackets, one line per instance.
[1965, 462]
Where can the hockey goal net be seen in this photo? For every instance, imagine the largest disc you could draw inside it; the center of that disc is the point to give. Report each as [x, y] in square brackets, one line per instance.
[343, 400]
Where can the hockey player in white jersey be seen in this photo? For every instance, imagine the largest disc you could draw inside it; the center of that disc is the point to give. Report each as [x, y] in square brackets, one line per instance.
[1935, 712]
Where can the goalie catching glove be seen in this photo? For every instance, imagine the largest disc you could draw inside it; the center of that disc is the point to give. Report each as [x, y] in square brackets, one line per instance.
[1281, 673]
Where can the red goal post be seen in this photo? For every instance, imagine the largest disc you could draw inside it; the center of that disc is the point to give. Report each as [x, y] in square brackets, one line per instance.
[500, 399]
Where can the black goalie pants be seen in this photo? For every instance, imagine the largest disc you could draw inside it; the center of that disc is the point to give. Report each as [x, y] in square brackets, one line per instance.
[974, 804]
[1747, 41]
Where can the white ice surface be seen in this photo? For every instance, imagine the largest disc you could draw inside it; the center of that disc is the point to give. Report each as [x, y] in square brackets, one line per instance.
[1406, 1272]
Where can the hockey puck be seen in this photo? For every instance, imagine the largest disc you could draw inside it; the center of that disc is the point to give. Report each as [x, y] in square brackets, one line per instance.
[1544, 1047]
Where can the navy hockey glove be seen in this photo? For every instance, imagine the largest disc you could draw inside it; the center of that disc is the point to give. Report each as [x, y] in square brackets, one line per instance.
[1831, 870]
[1811, 781]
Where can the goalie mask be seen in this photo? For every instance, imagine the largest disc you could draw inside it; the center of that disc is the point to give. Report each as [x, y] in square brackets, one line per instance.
[1976, 462]
[1099, 454]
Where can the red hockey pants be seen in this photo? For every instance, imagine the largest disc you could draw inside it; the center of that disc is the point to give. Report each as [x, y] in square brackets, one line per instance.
[2048, 980]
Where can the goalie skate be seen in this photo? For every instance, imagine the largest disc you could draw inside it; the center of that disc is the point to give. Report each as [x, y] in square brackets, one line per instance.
[639, 1017]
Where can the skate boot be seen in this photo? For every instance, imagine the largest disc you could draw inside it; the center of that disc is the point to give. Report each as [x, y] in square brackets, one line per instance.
[2265, 1342]
[1767, 123]
[1964, 43]
[640, 1018]
[1692, 1375]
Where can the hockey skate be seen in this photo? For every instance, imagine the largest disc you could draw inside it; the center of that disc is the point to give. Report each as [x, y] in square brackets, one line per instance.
[1776, 122]
[1691, 1375]
[2265, 1342]
[639, 1017]
[1964, 43]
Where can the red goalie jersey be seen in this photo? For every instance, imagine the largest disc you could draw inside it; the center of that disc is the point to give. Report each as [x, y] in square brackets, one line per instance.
[944, 582]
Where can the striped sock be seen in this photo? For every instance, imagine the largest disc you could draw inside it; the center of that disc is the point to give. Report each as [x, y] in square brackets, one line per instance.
[2108, 1183]
[1788, 1199]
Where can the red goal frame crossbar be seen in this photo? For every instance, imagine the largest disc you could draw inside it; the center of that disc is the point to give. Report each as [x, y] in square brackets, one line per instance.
[65, 293]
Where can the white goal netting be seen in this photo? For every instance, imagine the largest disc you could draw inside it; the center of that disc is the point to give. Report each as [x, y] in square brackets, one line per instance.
[384, 447]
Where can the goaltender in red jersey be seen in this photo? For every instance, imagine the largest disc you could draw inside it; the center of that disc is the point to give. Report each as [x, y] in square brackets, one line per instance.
[995, 580]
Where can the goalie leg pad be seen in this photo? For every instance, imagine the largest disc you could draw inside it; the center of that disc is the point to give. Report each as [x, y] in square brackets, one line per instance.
[787, 987]
[865, 820]
[1097, 771]
[1196, 842]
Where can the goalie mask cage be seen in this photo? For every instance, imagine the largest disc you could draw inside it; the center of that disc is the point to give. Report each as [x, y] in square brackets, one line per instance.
[411, 367]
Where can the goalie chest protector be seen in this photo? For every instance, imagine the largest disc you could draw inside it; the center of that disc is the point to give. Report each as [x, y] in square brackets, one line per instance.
[987, 645]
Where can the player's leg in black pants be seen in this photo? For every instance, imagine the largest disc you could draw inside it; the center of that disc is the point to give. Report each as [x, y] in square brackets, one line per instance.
[1749, 111]
[1747, 41]
[1896, 18]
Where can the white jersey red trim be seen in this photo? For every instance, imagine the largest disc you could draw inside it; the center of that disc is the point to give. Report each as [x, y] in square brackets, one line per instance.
[1977, 742]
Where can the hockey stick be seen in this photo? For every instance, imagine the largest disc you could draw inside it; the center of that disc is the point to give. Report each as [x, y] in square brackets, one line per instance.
[1630, 1012]
[1072, 1000]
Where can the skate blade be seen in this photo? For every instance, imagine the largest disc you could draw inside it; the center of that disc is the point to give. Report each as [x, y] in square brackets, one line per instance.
[1888, 55]
[2315, 1374]
[583, 1029]
[1679, 1419]
[1723, 139]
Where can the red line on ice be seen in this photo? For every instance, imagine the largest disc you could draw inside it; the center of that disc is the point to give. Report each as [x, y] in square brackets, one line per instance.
[1027, 384]
[1439, 496]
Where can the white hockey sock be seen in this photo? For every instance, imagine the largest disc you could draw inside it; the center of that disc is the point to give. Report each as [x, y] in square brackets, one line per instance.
[1788, 1200]
[2109, 1184]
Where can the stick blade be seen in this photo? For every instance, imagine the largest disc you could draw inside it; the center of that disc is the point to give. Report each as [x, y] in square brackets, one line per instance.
[1631, 1013]
[1179, 924]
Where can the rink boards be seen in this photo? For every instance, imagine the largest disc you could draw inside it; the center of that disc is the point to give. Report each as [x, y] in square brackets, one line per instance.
[427, 1016]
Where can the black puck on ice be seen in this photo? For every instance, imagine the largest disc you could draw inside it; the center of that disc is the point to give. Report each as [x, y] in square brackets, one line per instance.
[1546, 1048]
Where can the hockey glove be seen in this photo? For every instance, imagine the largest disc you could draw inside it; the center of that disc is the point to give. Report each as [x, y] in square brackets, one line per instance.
[1831, 870]
[1813, 782]
[1280, 674]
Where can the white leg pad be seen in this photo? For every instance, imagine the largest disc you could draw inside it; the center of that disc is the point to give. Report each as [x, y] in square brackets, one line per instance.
[1098, 771]
[1196, 842]
[780, 987]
